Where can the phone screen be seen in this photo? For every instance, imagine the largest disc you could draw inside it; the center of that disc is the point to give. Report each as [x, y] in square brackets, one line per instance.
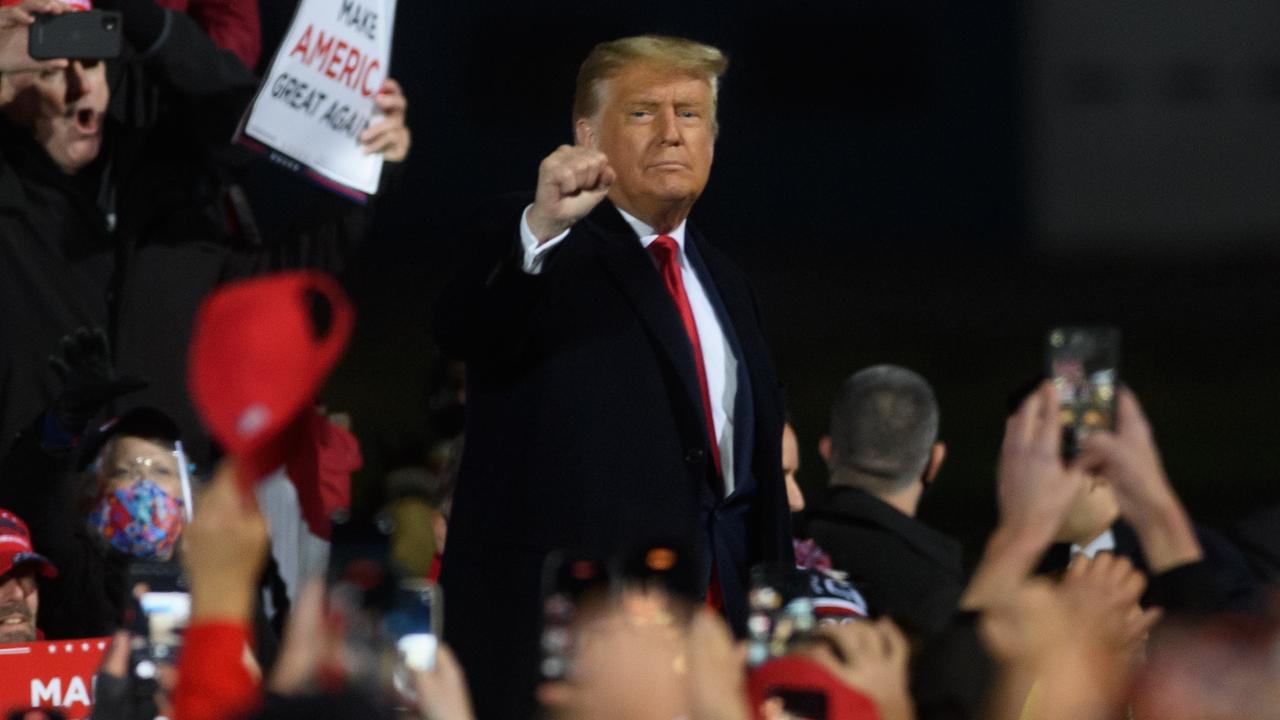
[167, 615]
[780, 614]
[158, 610]
[568, 582]
[1084, 365]
[413, 622]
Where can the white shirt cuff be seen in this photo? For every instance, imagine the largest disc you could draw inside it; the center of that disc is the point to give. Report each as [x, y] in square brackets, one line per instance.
[534, 254]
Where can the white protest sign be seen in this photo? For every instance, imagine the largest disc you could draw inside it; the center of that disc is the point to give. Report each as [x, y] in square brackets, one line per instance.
[318, 95]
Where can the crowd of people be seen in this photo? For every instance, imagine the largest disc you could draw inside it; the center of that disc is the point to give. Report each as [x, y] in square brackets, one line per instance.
[609, 504]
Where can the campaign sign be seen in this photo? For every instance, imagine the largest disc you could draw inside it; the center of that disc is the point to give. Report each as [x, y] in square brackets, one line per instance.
[52, 674]
[318, 95]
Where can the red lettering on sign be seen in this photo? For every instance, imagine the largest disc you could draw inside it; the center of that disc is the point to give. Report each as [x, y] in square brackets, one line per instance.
[349, 67]
[364, 79]
[321, 48]
[301, 47]
[335, 59]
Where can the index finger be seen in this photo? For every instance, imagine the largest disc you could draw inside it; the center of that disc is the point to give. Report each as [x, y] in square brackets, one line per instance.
[1021, 427]
[1049, 428]
[1130, 419]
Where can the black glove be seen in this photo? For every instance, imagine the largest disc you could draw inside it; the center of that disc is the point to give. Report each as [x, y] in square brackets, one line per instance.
[89, 380]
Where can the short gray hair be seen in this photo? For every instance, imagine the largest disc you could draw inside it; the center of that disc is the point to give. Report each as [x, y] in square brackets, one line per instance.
[884, 422]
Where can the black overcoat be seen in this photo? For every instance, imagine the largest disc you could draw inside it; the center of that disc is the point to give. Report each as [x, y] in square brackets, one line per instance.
[585, 432]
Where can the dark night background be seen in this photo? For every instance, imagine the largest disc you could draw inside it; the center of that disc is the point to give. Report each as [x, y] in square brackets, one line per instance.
[931, 184]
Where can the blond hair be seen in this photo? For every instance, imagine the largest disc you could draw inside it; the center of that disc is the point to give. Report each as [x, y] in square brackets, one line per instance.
[677, 54]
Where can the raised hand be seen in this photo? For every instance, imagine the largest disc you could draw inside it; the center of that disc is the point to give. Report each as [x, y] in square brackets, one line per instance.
[442, 691]
[571, 182]
[1129, 461]
[874, 662]
[1035, 489]
[717, 670]
[89, 379]
[1101, 595]
[15, 21]
[224, 550]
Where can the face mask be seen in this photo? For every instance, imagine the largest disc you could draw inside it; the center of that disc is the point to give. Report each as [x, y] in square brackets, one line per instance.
[140, 520]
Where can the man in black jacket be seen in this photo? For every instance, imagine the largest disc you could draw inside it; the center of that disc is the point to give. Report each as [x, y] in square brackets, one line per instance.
[619, 388]
[883, 451]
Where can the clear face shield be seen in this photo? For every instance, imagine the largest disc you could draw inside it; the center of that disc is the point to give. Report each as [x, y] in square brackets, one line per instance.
[146, 500]
[174, 478]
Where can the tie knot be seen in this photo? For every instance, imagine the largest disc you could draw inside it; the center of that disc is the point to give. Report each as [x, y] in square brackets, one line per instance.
[664, 248]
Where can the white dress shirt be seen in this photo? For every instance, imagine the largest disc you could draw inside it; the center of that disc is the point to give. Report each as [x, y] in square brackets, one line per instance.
[718, 360]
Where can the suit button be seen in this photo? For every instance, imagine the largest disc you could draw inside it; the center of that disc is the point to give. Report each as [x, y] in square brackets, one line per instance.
[695, 456]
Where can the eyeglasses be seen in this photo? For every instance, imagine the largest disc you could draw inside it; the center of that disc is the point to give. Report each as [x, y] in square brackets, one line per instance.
[141, 468]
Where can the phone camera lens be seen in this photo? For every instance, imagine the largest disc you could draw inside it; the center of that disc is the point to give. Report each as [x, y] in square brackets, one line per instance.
[109, 24]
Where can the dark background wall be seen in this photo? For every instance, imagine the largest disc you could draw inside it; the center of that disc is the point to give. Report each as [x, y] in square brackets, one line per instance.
[908, 182]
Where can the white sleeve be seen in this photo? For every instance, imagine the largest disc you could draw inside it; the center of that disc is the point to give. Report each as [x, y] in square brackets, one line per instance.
[534, 253]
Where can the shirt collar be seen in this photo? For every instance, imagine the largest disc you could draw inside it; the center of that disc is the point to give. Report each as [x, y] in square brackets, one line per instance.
[648, 234]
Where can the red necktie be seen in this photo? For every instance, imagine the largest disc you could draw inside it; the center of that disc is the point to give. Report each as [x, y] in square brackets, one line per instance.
[667, 252]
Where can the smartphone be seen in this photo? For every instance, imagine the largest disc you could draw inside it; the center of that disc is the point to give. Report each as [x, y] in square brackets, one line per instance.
[569, 582]
[413, 622]
[780, 614]
[361, 589]
[88, 35]
[1084, 364]
[158, 610]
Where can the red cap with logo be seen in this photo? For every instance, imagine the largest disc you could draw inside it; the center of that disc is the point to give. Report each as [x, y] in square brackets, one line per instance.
[15, 546]
[260, 352]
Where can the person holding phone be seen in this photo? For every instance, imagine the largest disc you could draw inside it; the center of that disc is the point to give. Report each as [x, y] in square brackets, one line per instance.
[15, 24]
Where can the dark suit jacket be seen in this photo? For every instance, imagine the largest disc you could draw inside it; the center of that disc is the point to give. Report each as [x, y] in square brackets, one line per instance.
[905, 569]
[585, 431]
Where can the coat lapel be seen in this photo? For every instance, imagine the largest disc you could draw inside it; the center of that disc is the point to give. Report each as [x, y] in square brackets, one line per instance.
[728, 298]
[759, 385]
[630, 266]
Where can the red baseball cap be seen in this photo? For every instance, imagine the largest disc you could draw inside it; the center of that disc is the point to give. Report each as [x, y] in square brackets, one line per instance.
[260, 352]
[794, 675]
[15, 546]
